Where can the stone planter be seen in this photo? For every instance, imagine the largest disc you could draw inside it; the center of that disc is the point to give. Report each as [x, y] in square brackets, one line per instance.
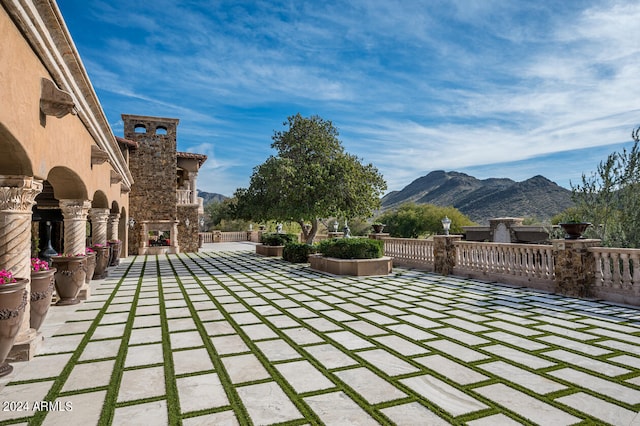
[69, 278]
[13, 302]
[116, 248]
[574, 230]
[357, 267]
[42, 286]
[270, 251]
[91, 267]
[102, 261]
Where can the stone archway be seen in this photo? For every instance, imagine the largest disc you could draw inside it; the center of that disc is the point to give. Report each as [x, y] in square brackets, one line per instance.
[14, 159]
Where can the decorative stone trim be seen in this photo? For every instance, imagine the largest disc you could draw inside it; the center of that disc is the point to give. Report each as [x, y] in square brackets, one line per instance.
[39, 295]
[115, 177]
[18, 193]
[98, 155]
[54, 101]
[6, 314]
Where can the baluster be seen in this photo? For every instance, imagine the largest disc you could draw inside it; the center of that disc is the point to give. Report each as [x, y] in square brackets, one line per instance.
[635, 261]
[617, 278]
[606, 271]
[599, 276]
[625, 272]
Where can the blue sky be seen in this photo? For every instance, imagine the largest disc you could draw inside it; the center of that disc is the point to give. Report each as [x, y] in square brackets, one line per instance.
[493, 88]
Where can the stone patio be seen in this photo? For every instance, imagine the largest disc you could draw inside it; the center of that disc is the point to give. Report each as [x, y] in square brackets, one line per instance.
[227, 337]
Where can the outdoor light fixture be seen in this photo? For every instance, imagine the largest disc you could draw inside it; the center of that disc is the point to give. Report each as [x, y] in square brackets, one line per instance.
[201, 222]
[446, 224]
[132, 223]
[186, 222]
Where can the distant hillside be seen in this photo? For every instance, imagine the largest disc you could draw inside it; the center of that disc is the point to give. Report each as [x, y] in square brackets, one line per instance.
[211, 197]
[484, 199]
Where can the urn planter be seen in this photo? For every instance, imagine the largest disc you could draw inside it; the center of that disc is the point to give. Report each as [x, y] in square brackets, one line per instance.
[42, 286]
[91, 267]
[102, 261]
[116, 247]
[69, 278]
[574, 230]
[13, 302]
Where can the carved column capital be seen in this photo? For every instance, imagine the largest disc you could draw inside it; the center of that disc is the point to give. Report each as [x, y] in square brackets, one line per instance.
[99, 214]
[18, 193]
[75, 209]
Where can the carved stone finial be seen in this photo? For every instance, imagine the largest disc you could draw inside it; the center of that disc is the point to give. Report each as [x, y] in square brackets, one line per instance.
[54, 101]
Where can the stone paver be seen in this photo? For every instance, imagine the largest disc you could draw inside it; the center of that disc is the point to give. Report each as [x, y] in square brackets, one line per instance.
[276, 342]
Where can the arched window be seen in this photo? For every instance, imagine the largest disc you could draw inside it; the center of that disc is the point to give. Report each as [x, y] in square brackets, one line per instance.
[161, 130]
[140, 128]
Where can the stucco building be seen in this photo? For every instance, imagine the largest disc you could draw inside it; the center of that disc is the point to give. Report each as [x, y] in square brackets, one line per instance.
[60, 163]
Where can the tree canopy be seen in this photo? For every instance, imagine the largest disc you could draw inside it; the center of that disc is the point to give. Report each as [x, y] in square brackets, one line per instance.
[608, 198]
[311, 177]
[412, 220]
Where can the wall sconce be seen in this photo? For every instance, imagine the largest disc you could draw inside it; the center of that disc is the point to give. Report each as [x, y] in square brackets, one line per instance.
[202, 223]
[446, 224]
[132, 223]
[186, 222]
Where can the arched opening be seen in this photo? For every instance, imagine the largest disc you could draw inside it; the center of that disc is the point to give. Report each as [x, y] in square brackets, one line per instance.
[47, 222]
[161, 130]
[140, 128]
[14, 159]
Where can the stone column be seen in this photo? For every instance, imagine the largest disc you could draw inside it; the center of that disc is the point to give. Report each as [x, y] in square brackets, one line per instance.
[444, 253]
[112, 226]
[574, 266]
[99, 218]
[75, 214]
[17, 197]
[193, 177]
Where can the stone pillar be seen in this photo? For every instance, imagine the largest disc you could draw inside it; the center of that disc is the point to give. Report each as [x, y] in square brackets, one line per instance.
[75, 213]
[574, 266]
[99, 218]
[112, 226]
[444, 253]
[193, 177]
[378, 235]
[17, 197]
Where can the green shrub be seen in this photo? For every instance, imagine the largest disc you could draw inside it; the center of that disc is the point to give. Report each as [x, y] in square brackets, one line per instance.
[351, 248]
[297, 252]
[277, 239]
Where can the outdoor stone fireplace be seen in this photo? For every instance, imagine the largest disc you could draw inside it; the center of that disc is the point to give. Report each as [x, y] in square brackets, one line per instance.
[158, 237]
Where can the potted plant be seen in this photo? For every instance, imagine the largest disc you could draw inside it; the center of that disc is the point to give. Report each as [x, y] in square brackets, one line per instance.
[102, 260]
[272, 244]
[91, 264]
[377, 227]
[574, 228]
[116, 247]
[42, 286]
[13, 302]
[70, 276]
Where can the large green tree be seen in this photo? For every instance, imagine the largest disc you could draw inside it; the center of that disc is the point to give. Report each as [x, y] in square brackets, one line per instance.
[609, 198]
[411, 220]
[310, 178]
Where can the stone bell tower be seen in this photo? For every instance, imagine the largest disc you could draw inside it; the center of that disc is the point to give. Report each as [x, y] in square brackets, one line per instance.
[153, 163]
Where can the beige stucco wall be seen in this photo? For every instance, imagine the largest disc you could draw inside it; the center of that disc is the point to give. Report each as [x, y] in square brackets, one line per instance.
[48, 142]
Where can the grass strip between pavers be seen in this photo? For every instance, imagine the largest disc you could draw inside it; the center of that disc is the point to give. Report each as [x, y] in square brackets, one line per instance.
[55, 390]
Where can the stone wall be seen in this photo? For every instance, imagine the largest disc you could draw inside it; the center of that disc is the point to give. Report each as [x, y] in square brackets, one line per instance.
[153, 167]
[188, 235]
[574, 267]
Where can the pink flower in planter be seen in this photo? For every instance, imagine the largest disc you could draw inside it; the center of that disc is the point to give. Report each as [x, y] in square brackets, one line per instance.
[89, 250]
[39, 265]
[6, 277]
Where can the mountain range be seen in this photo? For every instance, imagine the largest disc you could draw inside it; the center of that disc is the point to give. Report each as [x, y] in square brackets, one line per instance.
[484, 199]
[211, 197]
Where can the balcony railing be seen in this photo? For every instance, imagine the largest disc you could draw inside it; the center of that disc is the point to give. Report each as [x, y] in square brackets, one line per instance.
[410, 252]
[184, 196]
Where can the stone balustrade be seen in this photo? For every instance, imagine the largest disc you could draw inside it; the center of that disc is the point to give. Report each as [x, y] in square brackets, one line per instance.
[617, 270]
[184, 196]
[410, 252]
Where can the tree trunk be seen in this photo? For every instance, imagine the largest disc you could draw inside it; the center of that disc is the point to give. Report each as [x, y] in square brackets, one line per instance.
[309, 235]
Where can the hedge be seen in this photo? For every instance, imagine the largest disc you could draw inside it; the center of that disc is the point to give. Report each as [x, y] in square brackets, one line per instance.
[277, 239]
[297, 252]
[351, 248]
